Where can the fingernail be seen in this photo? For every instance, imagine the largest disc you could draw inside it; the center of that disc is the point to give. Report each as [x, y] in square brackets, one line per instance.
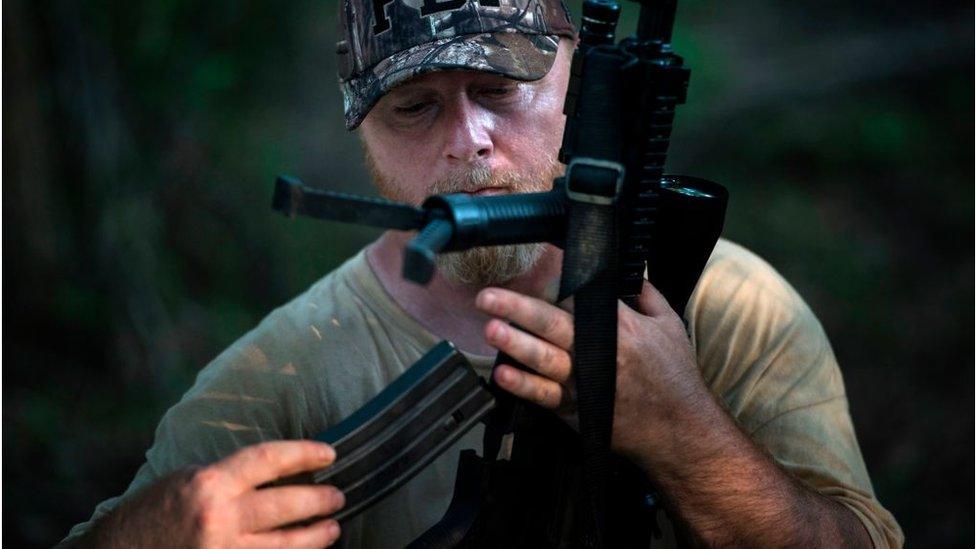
[333, 528]
[497, 331]
[340, 498]
[486, 299]
[326, 453]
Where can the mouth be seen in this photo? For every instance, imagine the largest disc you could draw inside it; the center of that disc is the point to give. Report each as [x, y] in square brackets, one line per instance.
[487, 191]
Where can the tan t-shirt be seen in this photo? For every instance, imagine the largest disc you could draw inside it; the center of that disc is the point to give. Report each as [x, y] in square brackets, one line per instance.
[317, 359]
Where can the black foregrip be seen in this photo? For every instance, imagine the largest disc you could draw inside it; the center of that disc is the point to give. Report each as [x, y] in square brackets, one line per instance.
[402, 429]
[420, 255]
[505, 219]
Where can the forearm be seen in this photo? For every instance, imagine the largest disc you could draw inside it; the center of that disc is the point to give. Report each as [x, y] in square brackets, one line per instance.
[725, 491]
[145, 520]
[224, 504]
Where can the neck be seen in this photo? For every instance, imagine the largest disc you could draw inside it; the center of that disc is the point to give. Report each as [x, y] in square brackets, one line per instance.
[445, 307]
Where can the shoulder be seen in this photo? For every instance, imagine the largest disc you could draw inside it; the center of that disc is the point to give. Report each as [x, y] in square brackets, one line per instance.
[737, 286]
[313, 346]
[291, 374]
[281, 342]
[735, 275]
[317, 317]
[325, 352]
[759, 345]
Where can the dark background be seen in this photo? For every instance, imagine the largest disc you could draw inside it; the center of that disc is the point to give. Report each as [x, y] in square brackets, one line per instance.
[140, 141]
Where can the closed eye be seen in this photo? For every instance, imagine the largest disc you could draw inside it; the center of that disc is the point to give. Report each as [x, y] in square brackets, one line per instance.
[497, 91]
[411, 108]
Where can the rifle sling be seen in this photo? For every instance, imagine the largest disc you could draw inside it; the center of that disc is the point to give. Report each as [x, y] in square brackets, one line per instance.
[591, 240]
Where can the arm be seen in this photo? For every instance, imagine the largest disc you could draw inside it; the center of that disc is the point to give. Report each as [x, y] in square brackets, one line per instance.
[220, 505]
[717, 483]
[724, 490]
[244, 398]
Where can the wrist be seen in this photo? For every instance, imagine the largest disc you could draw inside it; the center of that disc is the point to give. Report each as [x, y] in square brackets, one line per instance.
[688, 434]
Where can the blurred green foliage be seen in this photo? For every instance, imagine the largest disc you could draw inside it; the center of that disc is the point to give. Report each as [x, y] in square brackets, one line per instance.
[141, 140]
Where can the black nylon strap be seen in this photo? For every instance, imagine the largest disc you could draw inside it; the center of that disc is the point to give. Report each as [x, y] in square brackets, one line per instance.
[591, 241]
[590, 267]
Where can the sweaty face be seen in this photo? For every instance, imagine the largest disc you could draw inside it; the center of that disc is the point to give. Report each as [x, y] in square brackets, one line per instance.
[464, 131]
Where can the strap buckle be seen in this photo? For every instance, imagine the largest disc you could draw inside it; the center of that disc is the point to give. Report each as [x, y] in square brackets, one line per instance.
[593, 185]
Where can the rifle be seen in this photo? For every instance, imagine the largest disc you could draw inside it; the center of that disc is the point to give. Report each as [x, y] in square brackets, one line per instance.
[614, 213]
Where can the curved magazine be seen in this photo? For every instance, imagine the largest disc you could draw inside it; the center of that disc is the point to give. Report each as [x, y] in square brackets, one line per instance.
[401, 430]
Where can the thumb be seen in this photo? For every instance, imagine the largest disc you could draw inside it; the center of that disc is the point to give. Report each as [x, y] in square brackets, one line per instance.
[651, 302]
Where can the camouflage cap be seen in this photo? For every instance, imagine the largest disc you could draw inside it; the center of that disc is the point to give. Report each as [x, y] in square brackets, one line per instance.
[385, 42]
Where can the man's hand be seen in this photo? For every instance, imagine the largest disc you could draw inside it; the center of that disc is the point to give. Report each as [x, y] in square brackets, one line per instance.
[667, 422]
[220, 506]
[657, 377]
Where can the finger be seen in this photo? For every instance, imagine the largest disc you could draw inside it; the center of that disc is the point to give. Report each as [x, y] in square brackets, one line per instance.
[274, 507]
[255, 465]
[541, 391]
[533, 315]
[319, 534]
[542, 356]
[651, 302]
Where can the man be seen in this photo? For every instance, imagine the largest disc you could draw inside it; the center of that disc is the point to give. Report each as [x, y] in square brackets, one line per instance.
[744, 429]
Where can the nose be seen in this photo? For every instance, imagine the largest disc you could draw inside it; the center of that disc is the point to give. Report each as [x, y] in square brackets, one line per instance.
[469, 131]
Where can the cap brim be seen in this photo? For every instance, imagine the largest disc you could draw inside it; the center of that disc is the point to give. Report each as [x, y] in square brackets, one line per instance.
[513, 54]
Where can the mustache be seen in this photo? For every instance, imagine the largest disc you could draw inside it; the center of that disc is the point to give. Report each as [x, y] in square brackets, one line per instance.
[481, 176]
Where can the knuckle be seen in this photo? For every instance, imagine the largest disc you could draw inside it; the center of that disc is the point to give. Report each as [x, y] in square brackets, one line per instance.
[206, 519]
[541, 322]
[263, 454]
[544, 395]
[311, 499]
[551, 323]
[203, 481]
[547, 359]
[310, 451]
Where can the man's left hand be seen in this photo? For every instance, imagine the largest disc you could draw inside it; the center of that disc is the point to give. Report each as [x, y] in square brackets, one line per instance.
[658, 380]
[668, 423]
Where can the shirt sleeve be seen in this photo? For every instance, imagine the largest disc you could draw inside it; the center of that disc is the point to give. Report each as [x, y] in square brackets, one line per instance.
[764, 353]
[307, 365]
[248, 394]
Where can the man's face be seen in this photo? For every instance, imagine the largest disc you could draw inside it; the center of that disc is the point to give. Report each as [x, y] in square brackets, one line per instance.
[466, 131]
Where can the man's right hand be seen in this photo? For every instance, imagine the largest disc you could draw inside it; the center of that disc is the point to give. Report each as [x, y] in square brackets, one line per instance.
[220, 505]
